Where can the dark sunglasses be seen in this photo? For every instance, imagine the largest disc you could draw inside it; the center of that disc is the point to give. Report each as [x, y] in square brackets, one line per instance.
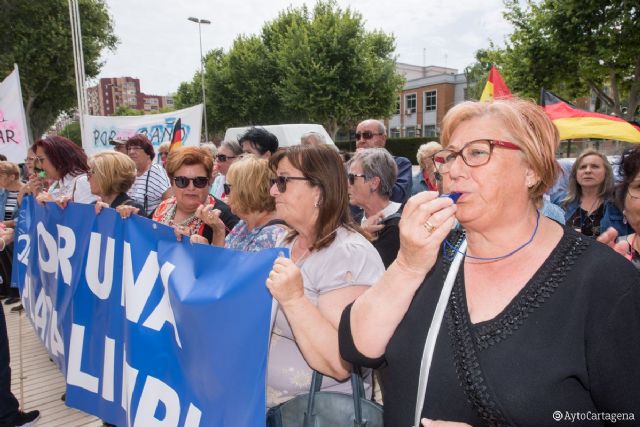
[224, 157]
[352, 177]
[367, 134]
[227, 188]
[198, 181]
[281, 181]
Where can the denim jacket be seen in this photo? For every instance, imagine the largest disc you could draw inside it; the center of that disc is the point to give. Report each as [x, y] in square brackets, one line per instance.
[612, 217]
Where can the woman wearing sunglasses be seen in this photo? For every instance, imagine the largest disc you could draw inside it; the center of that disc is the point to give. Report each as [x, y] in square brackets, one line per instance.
[247, 189]
[513, 320]
[189, 169]
[330, 264]
[228, 153]
[371, 176]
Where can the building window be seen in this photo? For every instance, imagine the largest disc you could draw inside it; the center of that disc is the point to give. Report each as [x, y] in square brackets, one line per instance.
[430, 131]
[430, 100]
[410, 131]
[410, 104]
[395, 133]
[397, 105]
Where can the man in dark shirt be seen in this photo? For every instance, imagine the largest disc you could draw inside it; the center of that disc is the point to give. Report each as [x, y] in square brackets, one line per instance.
[372, 133]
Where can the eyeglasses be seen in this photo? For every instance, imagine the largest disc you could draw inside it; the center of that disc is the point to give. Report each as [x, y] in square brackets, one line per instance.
[367, 134]
[634, 193]
[227, 188]
[224, 157]
[198, 181]
[39, 158]
[352, 177]
[474, 153]
[30, 159]
[281, 181]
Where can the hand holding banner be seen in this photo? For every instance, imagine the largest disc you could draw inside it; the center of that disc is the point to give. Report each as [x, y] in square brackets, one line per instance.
[148, 331]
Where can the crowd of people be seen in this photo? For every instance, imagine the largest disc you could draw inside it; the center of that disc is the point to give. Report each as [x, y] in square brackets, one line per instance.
[478, 309]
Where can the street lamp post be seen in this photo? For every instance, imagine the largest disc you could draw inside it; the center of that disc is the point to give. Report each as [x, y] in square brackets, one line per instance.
[204, 99]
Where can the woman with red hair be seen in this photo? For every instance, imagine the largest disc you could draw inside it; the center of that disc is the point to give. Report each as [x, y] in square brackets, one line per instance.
[66, 164]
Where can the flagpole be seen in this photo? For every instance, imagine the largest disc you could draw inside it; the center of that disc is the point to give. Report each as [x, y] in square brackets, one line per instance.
[78, 59]
[26, 125]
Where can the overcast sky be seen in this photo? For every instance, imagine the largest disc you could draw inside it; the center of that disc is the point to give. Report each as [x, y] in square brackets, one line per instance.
[160, 46]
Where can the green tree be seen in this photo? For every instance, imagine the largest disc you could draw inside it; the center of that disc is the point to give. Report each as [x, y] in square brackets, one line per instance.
[240, 86]
[72, 132]
[332, 71]
[123, 110]
[574, 47]
[36, 35]
[317, 65]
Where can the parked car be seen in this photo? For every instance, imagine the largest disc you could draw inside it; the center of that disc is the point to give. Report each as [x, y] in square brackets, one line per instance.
[287, 135]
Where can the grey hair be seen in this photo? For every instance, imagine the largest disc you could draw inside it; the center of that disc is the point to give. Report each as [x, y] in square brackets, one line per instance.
[232, 145]
[314, 137]
[378, 162]
[211, 147]
[427, 150]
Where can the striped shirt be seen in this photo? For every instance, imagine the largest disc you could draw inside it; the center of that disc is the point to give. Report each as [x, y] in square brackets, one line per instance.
[158, 183]
[10, 205]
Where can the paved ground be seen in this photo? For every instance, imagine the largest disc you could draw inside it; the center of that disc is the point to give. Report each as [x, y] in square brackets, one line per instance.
[42, 383]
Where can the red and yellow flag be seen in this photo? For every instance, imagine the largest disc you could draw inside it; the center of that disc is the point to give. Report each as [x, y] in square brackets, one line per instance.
[176, 138]
[495, 87]
[573, 122]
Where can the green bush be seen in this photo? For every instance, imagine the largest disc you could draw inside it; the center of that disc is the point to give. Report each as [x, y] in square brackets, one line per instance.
[402, 147]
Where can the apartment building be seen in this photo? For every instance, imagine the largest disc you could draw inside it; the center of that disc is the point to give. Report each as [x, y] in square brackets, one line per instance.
[111, 93]
[428, 94]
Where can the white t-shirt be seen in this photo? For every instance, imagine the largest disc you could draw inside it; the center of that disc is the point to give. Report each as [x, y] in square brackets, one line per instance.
[158, 183]
[75, 186]
[217, 188]
[349, 260]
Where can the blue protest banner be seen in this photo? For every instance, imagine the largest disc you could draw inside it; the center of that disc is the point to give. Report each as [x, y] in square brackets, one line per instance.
[148, 331]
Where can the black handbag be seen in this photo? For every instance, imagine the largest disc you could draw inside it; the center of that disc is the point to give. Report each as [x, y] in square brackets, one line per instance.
[327, 408]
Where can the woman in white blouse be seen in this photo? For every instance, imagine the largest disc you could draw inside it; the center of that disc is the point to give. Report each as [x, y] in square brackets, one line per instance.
[66, 164]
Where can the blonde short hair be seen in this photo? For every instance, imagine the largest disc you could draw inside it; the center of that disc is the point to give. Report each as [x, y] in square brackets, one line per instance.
[164, 146]
[250, 180]
[427, 150]
[113, 171]
[10, 169]
[527, 125]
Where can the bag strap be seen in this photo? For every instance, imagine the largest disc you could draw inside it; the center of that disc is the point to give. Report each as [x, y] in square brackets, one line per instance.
[357, 388]
[434, 329]
[146, 190]
[316, 385]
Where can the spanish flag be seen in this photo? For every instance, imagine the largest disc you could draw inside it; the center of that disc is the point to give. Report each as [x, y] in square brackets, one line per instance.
[575, 123]
[495, 87]
[176, 138]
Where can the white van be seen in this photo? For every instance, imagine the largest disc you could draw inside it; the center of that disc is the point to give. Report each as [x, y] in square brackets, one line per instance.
[287, 135]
